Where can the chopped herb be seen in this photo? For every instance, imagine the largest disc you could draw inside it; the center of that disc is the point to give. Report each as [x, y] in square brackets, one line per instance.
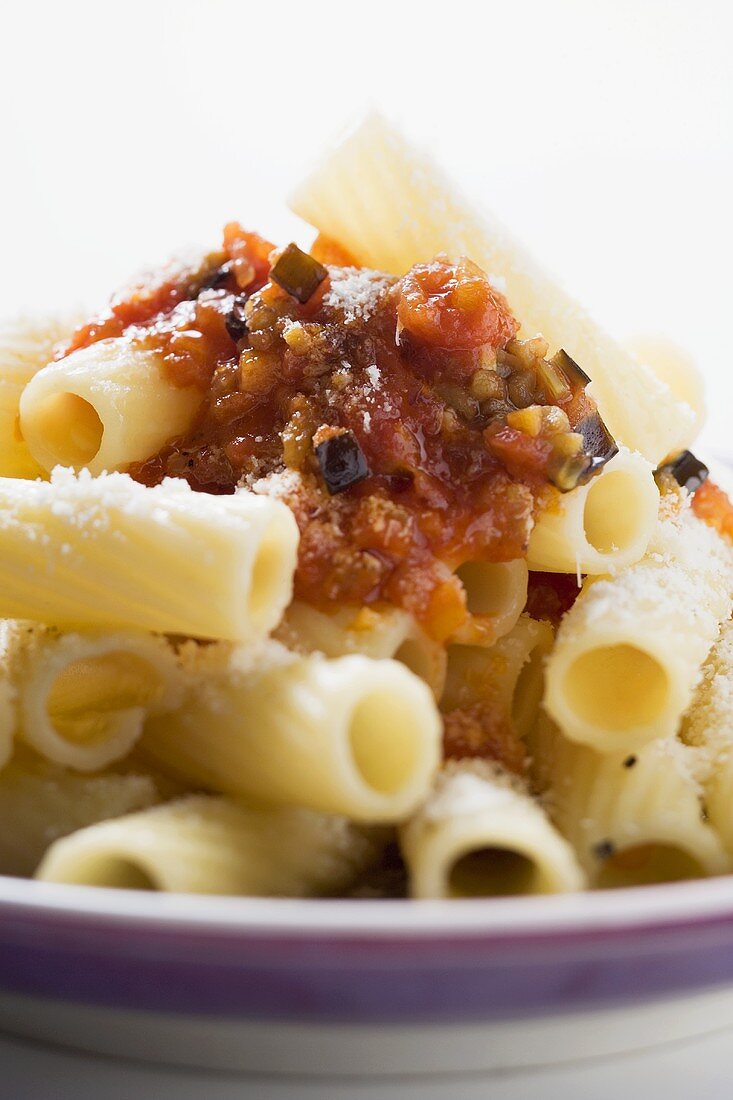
[342, 462]
[236, 321]
[687, 470]
[604, 849]
[629, 761]
[298, 273]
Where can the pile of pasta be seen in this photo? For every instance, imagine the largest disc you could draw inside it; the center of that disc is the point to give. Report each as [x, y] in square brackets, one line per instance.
[171, 719]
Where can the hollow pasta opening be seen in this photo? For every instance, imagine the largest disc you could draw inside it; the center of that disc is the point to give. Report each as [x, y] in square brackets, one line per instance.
[618, 687]
[614, 511]
[108, 869]
[70, 428]
[492, 872]
[646, 864]
[386, 742]
[490, 587]
[88, 695]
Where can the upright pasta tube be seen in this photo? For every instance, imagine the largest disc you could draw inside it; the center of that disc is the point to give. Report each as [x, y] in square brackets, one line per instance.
[82, 699]
[107, 552]
[509, 675]
[633, 819]
[496, 593]
[628, 653]
[481, 835]
[204, 844]
[26, 345]
[389, 206]
[93, 407]
[600, 527]
[708, 730]
[351, 735]
[374, 632]
[40, 802]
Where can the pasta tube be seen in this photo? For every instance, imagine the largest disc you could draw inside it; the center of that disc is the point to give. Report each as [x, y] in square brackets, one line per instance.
[633, 819]
[390, 207]
[350, 735]
[26, 345]
[93, 407]
[107, 552]
[509, 675]
[40, 802]
[376, 633]
[628, 654]
[677, 369]
[480, 835]
[708, 727]
[83, 698]
[496, 593]
[600, 527]
[209, 845]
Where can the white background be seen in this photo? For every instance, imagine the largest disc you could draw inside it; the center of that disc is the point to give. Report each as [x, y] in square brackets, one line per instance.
[602, 132]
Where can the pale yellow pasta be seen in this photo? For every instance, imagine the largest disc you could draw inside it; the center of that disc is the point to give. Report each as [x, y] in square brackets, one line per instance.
[83, 698]
[390, 207]
[377, 633]
[40, 802]
[629, 652]
[480, 834]
[496, 593]
[350, 735]
[600, 527]
[106, 552]
[708, 728]
[205, 844]
[26, 345]
[633, 819]
[103, 407]
[676, 368]
[507, 676]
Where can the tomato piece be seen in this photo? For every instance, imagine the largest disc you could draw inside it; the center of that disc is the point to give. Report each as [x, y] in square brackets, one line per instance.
[453, 306]
[714, 507]
[250, 256]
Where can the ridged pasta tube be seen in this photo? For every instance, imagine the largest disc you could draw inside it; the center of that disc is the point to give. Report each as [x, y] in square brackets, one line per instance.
[496, 593]
[40, 802]
[83, 698]
[205, 844]
[351, 735]
[633, 819]
[677, 369]
[628, 653]
[373, 632]
[508, 675]
[600, 527]
[480, 834]
[103, 407]
[389, 206]
[708, 728]
[26, 345]
[107, 552]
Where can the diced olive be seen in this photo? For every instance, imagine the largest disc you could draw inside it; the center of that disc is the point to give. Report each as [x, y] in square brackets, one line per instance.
[298, 273]
[687, 470]
[342, 462]
[568, 472]
[597, 440]
[236, 320]
[569, 367]
[553, 381]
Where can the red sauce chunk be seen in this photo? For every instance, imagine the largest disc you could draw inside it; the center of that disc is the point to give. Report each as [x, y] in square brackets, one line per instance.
[401, 420]
[712, 505]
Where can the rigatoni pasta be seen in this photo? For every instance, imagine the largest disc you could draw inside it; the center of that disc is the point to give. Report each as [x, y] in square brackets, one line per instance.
[374, 568]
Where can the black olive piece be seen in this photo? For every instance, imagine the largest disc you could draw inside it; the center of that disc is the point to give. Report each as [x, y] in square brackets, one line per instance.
[342, 462]
[687, 470]
[569, 367]
[604, 849]
[298, 273]
[629, 761]
[236, 321]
